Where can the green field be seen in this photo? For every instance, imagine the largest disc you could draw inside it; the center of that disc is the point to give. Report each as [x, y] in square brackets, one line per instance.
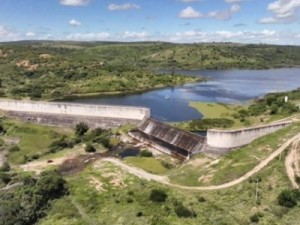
[215, 110]
[148, 164]
[30, 138]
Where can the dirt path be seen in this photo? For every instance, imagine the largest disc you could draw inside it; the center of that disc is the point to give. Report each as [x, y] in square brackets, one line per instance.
[82, 213]
[164, 180]
[291, 164]
[41, 165]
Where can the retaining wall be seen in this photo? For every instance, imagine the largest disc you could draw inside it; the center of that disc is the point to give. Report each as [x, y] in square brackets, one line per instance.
[55, 113]
[240, 137]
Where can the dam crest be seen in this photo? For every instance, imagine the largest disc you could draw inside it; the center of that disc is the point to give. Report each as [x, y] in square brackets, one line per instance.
[166, 138]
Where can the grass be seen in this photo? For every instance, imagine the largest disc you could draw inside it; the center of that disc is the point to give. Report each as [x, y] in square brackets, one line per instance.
[33, 139]
[211, 110]
[121, 204]
[148, 164]
[236, 163]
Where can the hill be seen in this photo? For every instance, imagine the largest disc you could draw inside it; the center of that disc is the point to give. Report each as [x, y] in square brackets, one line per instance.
[48, 69]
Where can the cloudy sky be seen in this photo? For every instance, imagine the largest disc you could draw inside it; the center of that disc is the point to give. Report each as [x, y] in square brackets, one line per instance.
[246, 21]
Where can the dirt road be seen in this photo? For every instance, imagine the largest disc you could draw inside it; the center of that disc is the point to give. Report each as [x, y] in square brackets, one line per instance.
[291, 163]
[164, 180]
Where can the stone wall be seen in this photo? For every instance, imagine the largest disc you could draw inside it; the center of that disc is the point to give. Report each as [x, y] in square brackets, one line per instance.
[68, 114]
[227, 139]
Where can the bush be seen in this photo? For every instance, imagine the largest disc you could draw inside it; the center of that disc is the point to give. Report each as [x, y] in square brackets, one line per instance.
[4, 177]
[14, 148]
[289, 198]
[182, 211]
[60, 144]
[89, 148]
[254, 218]
[139, 214]
[158, 195]
[146, 153]
[2, 130]
[167, 165]
[5, 167]
[297, 179]
[81, 128]
[201, 199]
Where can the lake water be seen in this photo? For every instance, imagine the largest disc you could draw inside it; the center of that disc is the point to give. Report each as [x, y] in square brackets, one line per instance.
[227, 86]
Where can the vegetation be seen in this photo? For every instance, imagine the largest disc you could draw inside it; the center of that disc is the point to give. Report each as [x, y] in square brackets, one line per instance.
[89, 148]
[158, 195]
[27, 142]
[263, 110]
[234, 164]
[149, 164]
[289, 198]
[81, 128]
[51, 70]
[29, 202]
[146, 153]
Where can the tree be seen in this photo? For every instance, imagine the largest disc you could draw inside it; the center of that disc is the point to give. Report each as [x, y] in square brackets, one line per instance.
[89, 148]
[158, 195]
[289, 198]
[81, 128]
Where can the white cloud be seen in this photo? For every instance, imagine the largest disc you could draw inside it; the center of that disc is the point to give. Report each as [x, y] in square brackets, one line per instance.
[7, 34]
[74, 23]
[189, 1]
[89, 36]
[190, 13]
[30, 34]
[133, 35]
[233, 1]
[125, 6]
[284, 11]
[74, 2]
[264, 36]
[225, 14]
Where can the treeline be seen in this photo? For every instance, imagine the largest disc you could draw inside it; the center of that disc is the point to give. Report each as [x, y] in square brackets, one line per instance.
[30, 200]
[52, 70]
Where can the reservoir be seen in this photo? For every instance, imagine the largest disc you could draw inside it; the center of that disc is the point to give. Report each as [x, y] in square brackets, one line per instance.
[226, 86]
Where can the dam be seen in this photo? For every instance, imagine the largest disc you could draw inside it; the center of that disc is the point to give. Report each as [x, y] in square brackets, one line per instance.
[69, 114]
[164, 137]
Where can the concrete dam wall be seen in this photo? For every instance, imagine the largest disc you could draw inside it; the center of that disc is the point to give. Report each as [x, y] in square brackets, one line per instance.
[227, 139]
[69, 114]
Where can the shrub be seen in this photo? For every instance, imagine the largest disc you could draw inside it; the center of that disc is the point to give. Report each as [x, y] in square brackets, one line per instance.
[139, 214]
[167, 165]
[14, 148]
[2, 130]
[201, 199]
[60, 144]
[158, 195]
[297, 179]
[182, 211]
[89, 148]
[288, 198]
[5, 167]
[254, 218]
[4, 177]
[146, 153]
[81, 128]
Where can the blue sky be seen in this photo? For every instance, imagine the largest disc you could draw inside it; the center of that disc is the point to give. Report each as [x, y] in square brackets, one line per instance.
[245, 21]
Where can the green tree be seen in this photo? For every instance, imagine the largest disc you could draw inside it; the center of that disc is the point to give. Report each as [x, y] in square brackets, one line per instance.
[81, 128]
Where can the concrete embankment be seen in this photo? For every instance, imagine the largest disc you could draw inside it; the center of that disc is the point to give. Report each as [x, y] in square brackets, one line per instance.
[68, 114]
[228, 139]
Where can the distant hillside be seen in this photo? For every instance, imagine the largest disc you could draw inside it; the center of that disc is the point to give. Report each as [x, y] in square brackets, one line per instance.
[50, 69]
